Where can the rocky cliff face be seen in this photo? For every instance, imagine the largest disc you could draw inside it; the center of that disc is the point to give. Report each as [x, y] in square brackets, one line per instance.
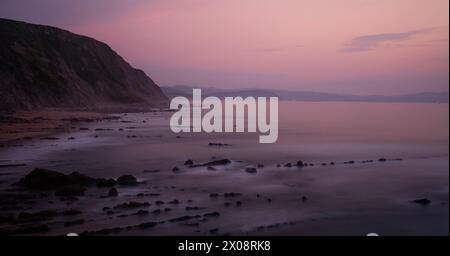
[46, 67]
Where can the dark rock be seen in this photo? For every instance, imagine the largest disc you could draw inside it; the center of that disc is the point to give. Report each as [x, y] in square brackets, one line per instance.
[182, 218]
[71, 212]
[288, 165]
[304, 198]
[175, 169]
[382, 160]
[217, 144]
[214, 195]
[105, 183]
[210, 168]
[251, 170]
[43, 179]
[213, 163]
[127, 180]
[231, 194]
[141, 212]
[423, 201]
[332, 163]
[175, 201]
[148, 225]
[73, 223]
[189, 162]
[71, 190]
[260, 166]
[300, 163]
[211, 214]
[151, 171]
[113, 192]
[349, 162]
[131, 205]
[238, 203]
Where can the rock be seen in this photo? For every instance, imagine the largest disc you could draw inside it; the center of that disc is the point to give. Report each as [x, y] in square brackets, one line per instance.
[332, 163]
[131, 205]
[175, 169]
[214, 195]
[71, 212]
[43, 179]
[25, 217]
[210, 168]
[304, 198]
[349, 162]
[105, 183]
[151, 171]
[288, 165]
[217, 144]
[423, 201]
[211, 214]
[189, 162]
[382, 160]
[175, 201]
[141, 212]
[127, 180]
[231, 194]
[73, 223]
[251, 170]
[71, 138]
[113, 192]
[71, 190]
[213, 163]
[324, 164]
[260, 166]
[238, 203]
[148, 225]
[300, 163]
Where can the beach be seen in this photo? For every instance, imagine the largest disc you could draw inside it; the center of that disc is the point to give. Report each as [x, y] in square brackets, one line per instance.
[364, 169]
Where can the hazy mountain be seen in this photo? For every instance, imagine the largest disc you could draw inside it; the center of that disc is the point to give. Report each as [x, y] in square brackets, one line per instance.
[47, 67]
[425, 97]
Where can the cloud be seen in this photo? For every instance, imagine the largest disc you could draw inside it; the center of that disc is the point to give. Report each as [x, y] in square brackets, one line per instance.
[370, 42]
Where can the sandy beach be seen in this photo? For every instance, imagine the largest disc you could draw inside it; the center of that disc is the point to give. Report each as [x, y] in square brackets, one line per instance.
[361, 170]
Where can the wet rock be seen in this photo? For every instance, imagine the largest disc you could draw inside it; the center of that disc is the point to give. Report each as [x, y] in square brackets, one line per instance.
[251, 170]
[141, 212]
[152, 171]
[159, 202]
[71, 212]
[49, 138]
[231, 194]
[211, 144]
[300, 163]
[127, 180]
[211, 214]
[304, 198]
[238, 203]
[131, 205]
[105, 183]
[73, 223]
[71, 138]
[175, 169]
[349, 162]
[113, 192]
[175, 201]
[214, 231]
[332, 163]
[189, 162]
[288, 165]
[210, 168]
[260, 166]
[71, 191]
[324, 164]
[25, 217]
[227, 204]
[147, 225]
[193, 208]
[213, 195]
[43, 179]
[423, 201]
[213, 163]
[182, 218]
[382, 160]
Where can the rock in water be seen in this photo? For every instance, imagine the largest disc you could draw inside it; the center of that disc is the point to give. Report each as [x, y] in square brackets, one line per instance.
[47, 67]
[423, 201]
[43, 179]
[127, 180]
[113, 192]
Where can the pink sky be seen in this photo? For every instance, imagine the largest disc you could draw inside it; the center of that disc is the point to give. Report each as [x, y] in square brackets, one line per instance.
[351, 46]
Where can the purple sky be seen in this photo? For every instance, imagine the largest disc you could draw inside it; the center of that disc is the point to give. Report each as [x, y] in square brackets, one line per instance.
[347, 46]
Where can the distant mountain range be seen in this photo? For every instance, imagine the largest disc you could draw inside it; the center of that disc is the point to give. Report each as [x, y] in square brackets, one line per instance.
[46, 67]
[424, 97]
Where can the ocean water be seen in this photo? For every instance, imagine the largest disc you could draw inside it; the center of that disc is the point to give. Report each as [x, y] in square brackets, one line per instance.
[359, 198]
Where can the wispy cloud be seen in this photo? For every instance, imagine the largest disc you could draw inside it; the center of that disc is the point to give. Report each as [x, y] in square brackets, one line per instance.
[370, 42]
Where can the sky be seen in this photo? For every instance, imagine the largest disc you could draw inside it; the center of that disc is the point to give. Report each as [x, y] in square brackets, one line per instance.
[348, 46]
